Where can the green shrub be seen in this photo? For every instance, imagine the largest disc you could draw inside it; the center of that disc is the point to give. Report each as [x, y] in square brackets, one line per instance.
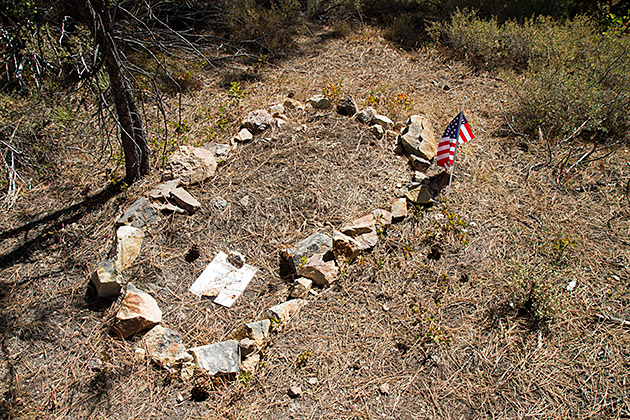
[569, 78]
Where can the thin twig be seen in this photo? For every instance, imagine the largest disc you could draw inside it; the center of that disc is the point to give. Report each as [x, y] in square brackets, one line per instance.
[614, 320]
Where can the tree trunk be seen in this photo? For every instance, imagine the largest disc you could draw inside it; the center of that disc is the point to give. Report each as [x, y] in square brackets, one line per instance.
[132, 134]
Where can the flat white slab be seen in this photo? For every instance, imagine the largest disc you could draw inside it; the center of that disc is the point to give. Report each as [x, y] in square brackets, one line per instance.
[223, 282]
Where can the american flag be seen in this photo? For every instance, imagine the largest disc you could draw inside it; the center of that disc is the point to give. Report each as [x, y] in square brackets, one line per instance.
[446, 148]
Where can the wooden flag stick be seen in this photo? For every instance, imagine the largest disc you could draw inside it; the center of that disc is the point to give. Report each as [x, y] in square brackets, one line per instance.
[459, 127]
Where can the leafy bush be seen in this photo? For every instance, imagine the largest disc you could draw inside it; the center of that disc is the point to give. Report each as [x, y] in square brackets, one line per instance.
[570, 78]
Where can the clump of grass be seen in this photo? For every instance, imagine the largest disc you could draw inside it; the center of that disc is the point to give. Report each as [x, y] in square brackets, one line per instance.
[570, 77]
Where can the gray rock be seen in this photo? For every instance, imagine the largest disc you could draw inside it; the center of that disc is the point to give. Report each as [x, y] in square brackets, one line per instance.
[183, 199]
[258, 121]
[301, 287]
[420, 195]
[383, 121]
[399, 209]
[128, 246]
[219, 203]
[139, 214]
[285, 311]
[347, 106]
[298, 254]
[191, 165]
[106, 279]
[161, 191]
[258, 331]
[319, 102]
[164, 346]
[223, 357]
[244, 201]
[316, 268]
[138, 312]
[366, 116]
[418, 163]
[418, 138]
[377, 131]
[244, 136]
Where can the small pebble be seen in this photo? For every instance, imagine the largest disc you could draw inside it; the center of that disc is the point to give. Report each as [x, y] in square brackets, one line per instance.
[313, 381]
[384, 389]
[295, 391]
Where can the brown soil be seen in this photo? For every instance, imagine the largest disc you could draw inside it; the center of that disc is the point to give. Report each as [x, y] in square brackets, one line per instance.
[461, 311]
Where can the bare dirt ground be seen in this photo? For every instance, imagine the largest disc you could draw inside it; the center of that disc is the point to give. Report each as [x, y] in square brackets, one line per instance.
[463, 310]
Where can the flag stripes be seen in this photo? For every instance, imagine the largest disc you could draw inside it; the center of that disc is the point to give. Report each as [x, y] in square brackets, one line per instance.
[446, 148]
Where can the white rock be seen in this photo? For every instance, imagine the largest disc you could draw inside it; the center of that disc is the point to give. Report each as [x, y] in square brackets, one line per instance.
[138, 312]
[571, 285]
[377, 131]
[365, 116]
[276, 110]
[383, 121]
[244, 136]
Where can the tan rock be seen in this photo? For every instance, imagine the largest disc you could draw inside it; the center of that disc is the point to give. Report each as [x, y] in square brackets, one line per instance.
[192, 165]
[367, 240]
[286, 310]
[323, 273]
[251, 363]
[382, 217]
[301, 287]
[244, 136]
[184, 199]
[345, 247]
[418, 138]
[161, 191]
[138, 312]
[128, 246]
[399, 209]
[292, 104]
[359, 226]
[420, 195]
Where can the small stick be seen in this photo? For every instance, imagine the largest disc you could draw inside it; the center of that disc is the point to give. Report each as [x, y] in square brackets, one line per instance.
[623, 322]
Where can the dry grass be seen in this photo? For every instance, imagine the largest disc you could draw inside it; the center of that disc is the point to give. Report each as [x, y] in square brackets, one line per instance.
[456, 337]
